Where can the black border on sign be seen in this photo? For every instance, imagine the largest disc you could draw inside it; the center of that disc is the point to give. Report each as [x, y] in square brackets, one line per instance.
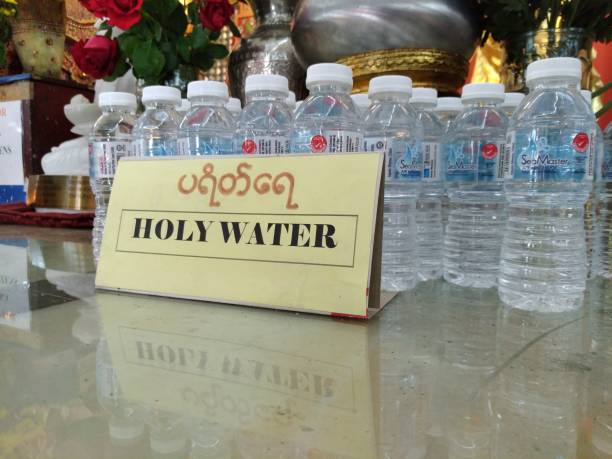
[355, 216]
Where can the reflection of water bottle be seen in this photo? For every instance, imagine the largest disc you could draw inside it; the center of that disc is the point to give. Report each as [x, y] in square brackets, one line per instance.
[235, 107]
[327, 121]
[429, 205]
[265, 123]
[167, 435]
[549, 174]
[209, 441]
[156, 129]
[474, 181]
[392, 127]
[511, 102]
[208, 128]
[125, 424]
[447, 109]
[603, 245]
[110, 140]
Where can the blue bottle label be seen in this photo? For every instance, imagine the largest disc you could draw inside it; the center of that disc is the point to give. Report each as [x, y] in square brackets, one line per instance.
[475, 161]
[562, 157]
[403, 159]
[432, 161]
[606, 164]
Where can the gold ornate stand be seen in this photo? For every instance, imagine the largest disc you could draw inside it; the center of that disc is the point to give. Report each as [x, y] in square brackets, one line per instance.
[62, 192]
[442, 70]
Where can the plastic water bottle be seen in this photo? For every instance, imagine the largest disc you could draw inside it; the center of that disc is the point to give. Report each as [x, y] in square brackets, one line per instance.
[265, 123]
[362, 102]
[290, 101]
[235, 107]
[392, 126]
[156, 129]
[429, 203]
[548, 177]
[447, 109]
[604, 205]
[110, 140]
[590, 207]
[297, 106]
[327, 121]
[184, 108]
[474, 180]
[208, 128]
[511, 101]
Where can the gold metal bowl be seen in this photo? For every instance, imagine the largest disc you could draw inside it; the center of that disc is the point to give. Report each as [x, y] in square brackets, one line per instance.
[61, 192]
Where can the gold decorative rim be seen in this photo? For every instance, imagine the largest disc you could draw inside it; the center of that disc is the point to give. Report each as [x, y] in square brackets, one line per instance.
[70, 192]
[427, 67]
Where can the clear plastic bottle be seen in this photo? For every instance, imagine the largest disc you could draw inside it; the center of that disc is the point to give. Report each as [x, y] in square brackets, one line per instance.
[297, 106]
[362, 102]
[474, 181]
[429, 203]
[327, 121]
[392, 126]
[290, 101]
[208, 128]
[235, 107]
[603, 188]
[184, 108]
[548, 177]
[265, 123]
[110, 140]
[590, 207]
[447, 109]
[156, 129]
[511, 101]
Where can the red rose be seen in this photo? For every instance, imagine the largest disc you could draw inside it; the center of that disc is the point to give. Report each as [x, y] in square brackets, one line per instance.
[215, 14]
[97, 56]
[96, 7]
[123, 13]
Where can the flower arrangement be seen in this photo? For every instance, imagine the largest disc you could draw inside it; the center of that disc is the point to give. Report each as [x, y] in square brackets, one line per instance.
[508, 20]
[8, 10]
[154, 37]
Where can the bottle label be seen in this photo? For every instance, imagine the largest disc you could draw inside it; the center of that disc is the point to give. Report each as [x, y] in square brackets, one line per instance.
[334, 141]
[266, 145]
[533, 158]
[154, 147]
[606, 164]
[475, 161]
[403, 160]
[105, 156]
[182, 146]
[432, 162]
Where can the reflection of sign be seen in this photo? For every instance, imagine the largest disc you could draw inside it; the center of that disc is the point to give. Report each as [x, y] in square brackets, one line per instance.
[11, 154]
[289, 231]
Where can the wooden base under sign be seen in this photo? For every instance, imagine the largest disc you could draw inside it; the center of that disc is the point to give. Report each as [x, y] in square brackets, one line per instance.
[66, 192]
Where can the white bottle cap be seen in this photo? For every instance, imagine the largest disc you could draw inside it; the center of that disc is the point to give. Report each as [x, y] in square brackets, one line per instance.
[361, 100]
[162, 94]
[266, 83]
[512, 99]
[390, 83]
[119, 99]
[587, 95]
[204, 88]
[569, 67]
[291, 100]
[185, 106]
[234, 105]
[449, 104]
[475, 91]
[336, 73]
[424, 96]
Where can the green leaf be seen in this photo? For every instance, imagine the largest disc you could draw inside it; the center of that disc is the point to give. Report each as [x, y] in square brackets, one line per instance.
[234, 29]
[176, 21]
[193, 12]
[148, 61]
[121, 69]
[216, 51]
[182, 47]
[170, 56]
[2, 55]
[127, 43]
[198, 38]
[214, 35]
[202, 60]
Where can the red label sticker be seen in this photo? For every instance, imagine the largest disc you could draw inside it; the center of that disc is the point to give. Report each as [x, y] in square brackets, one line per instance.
[318, 143]
[249, 147]
[581, 142]
[489, 151]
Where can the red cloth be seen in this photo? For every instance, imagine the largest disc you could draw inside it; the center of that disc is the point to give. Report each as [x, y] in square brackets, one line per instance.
[21, 214]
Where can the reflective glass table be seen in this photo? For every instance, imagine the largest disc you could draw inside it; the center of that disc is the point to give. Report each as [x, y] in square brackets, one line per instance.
[442, 372]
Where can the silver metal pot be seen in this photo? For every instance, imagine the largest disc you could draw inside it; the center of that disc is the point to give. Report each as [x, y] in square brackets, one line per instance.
[269, 49]
[325, 31]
